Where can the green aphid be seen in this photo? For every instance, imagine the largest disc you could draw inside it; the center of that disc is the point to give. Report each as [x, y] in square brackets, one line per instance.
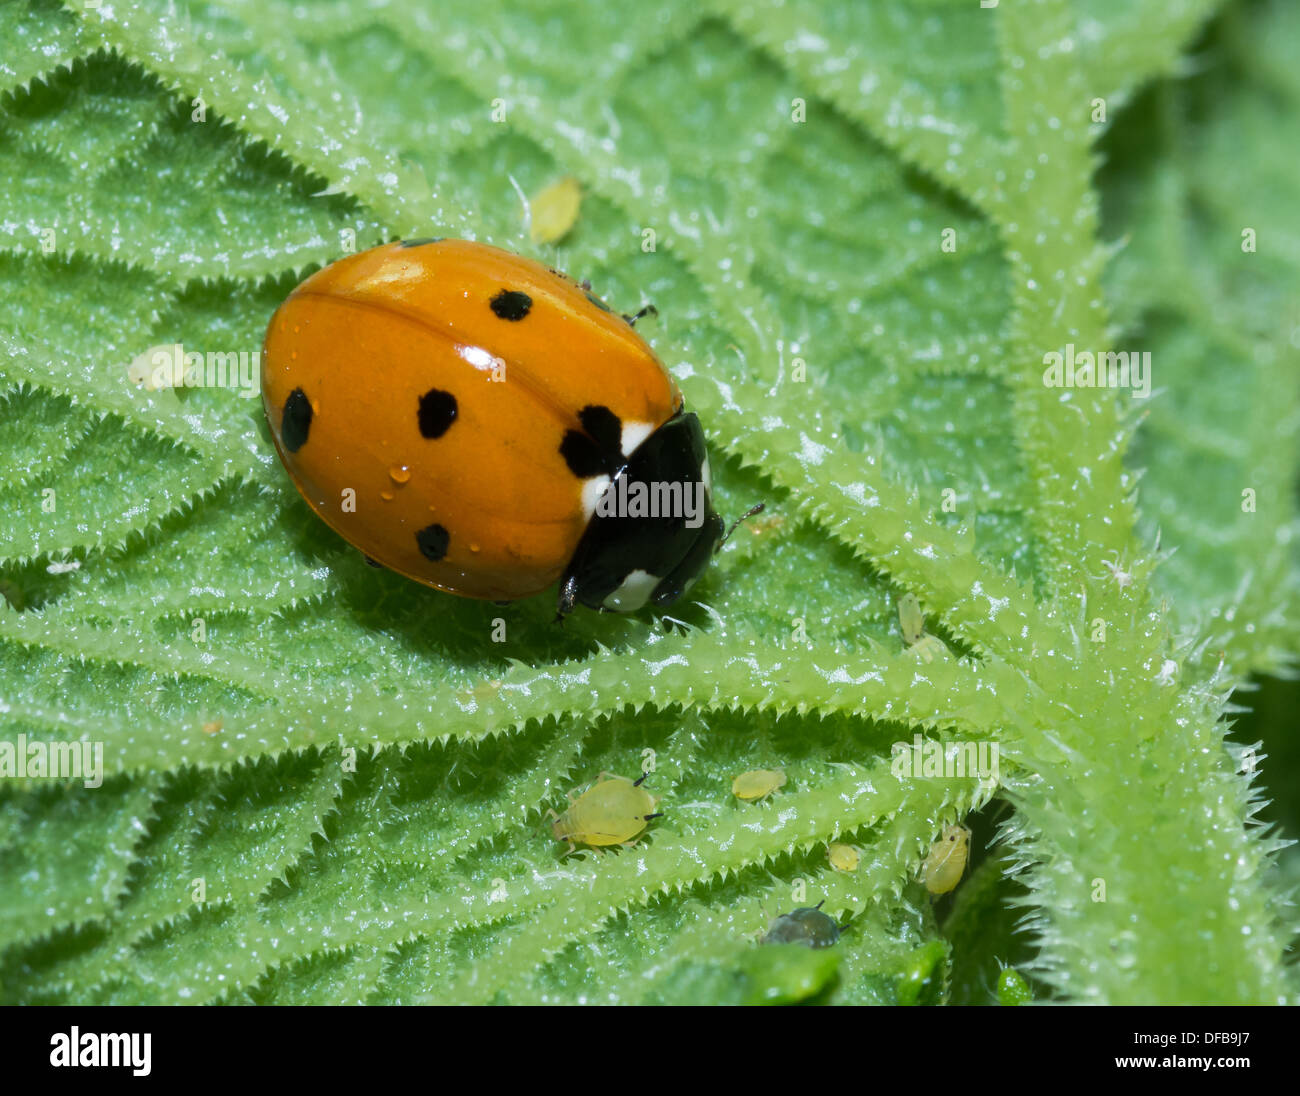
[1012, 988]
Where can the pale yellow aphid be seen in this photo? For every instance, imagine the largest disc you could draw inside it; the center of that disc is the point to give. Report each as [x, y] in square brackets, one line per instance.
[944, 866]
[555, 210]
[911, 619]
[157, 368]
[757, 783]
[928, 648]
[843, 857]
[613, 811]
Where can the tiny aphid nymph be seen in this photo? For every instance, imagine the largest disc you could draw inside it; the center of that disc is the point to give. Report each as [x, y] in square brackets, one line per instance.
[757, 783]
[613, 811]
[807, 926]
[1012, 988]
[843, 857]
[946, 862]
[554, 210]
[911, 621]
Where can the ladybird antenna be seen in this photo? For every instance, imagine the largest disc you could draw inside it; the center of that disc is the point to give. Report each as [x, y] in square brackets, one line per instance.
[743, 517]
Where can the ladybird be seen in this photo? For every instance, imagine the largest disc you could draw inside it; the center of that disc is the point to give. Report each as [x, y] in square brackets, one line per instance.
[486, 426]
[946, 862]
[757, 783]
[807, 926]
[613, 811]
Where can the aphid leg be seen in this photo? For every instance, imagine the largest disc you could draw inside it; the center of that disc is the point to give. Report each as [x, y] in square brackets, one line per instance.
[639, 780]
[586, 284]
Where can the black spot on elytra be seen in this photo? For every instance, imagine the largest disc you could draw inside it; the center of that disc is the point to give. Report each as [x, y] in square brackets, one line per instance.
[510, 304]
[420, 241]
[596, 449]
[603, 425]
[437, 413]
[584, 457]
[432, 541]
[295, 424]
[598, 302]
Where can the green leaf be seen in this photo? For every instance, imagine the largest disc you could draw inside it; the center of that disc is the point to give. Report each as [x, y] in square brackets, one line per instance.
[865, 228]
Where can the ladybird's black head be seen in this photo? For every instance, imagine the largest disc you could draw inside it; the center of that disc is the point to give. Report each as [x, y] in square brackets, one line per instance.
[654, 529]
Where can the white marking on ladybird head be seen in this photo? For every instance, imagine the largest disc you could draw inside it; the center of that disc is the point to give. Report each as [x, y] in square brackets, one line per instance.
[633, 593]
[634, 433]
[592, 489]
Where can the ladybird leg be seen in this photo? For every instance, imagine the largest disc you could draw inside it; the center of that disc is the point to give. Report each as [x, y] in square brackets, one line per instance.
[372, 562]
[648, 310]
[568, 598]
